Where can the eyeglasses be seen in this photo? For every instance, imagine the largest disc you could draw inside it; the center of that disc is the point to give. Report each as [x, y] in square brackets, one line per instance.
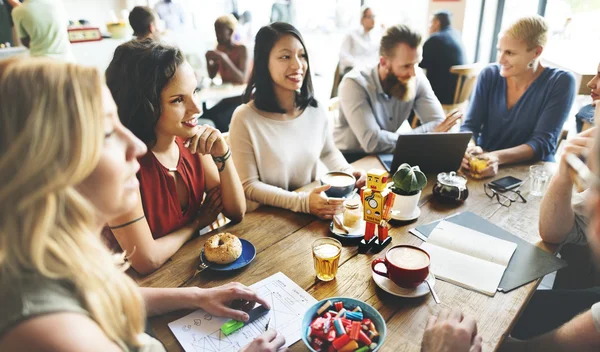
[502, 198]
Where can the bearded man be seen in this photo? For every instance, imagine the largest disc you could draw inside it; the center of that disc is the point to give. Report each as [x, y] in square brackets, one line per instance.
[375, 102]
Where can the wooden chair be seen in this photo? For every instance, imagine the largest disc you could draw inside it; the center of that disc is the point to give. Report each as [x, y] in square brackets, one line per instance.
[467, 76]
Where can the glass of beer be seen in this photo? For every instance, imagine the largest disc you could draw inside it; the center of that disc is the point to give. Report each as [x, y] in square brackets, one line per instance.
[326, 255]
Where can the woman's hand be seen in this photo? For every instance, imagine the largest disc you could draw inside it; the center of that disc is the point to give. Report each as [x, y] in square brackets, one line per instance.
[232, 301]
[208, 140]
[471, 150]
[361, 178]
[322, 206]
[210, 209]
[491, 169]
[269, 341]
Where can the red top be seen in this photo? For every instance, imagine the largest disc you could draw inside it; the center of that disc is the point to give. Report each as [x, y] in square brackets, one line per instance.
[159, 193]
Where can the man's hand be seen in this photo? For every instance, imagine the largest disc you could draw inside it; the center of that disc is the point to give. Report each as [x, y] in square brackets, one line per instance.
[451, 120]
[450, 331]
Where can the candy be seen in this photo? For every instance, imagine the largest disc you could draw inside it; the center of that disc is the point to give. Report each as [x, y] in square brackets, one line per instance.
[373, 346]
[354, 316]
[372, 335]
[362, 337]
[327, 315]
[372, 327]
[366, 321]
[342, 313]
[339, 328]
[341, 341]
[338, 305]
[365, 328]
[318, 323]
[363, 349]
[355, 330]
[324, 307]
[317, 341]
[357, 309]
[349, 347]
[331, 335]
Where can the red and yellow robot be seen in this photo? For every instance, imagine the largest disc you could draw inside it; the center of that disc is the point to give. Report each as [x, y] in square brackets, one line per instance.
[377, 204]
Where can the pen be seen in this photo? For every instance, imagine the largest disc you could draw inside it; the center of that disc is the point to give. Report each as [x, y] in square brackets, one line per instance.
[267, 326]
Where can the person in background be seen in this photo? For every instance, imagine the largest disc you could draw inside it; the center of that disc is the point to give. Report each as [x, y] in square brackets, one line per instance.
[42, 26]
[441, 51]
[61, 289]
[172, 13]
[375, 102]
[231, 61]
[153, 87]
[143, 23]
[519, 106]
[360, 47]
[279, 135]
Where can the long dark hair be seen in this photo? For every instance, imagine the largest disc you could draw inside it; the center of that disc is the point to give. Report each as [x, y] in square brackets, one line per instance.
[136, 76]
[261, 83]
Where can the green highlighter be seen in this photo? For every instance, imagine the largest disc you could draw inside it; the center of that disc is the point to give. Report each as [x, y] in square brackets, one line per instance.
[234, 325]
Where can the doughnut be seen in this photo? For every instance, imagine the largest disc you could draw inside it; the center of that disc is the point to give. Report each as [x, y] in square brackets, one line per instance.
[223, 248]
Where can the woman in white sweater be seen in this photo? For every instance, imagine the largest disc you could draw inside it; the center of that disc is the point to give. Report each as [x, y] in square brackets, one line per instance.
[278, 136]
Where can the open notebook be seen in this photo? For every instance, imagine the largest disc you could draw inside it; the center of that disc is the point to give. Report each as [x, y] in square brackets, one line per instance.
[468, 258]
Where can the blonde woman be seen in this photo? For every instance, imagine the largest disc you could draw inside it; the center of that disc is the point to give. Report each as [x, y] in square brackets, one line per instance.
[519, 106]
[60, 288]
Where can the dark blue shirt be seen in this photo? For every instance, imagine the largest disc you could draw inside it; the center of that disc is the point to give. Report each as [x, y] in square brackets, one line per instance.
[536, 119]
[440, 52]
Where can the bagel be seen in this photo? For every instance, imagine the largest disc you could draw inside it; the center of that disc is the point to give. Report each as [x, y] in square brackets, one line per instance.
[223, 248]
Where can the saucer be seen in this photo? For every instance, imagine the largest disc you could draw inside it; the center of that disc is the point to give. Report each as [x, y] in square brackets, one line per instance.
[397, 216]
[248, 254]
[390, 287]
[356, 233]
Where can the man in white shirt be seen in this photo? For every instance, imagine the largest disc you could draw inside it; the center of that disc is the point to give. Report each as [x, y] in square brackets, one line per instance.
[42, 26]
[360, 47]
[374, 102]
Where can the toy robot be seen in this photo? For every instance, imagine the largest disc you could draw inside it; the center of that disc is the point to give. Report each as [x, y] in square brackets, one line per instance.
[377, 203]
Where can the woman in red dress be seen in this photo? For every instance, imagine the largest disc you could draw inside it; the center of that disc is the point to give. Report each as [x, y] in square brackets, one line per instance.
[154, 88]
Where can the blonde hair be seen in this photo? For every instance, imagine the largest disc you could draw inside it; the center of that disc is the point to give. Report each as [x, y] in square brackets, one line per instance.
[533, 30]
[51, 136]
[226, 21]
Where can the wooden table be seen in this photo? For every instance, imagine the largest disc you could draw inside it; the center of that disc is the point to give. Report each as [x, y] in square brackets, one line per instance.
[283, 242]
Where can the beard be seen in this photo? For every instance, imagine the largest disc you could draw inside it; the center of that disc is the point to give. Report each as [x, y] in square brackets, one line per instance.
[403, 90]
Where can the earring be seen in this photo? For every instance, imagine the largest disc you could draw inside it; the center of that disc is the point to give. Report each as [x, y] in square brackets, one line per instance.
[530, 64]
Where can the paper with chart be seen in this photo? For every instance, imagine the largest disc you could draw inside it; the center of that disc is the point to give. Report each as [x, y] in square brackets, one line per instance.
[201, 332]
[468, 258]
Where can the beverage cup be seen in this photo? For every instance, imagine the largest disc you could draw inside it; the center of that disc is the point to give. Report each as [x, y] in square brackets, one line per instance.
[326, 256]
[341, 183]
[539, 178]
[407, 266]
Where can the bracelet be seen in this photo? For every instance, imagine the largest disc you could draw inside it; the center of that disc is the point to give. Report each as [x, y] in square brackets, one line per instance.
[222, 159]
[127, 223]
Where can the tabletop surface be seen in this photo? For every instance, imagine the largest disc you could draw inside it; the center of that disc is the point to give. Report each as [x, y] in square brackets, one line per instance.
[283, 243]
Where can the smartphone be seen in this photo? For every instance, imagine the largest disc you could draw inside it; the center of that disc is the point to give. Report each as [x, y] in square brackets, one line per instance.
[506, 183]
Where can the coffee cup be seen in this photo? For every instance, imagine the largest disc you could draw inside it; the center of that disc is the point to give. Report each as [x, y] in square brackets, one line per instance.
[407, 266]
[341, 183]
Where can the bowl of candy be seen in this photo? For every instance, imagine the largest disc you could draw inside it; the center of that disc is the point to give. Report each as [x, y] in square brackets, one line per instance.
[343, 324]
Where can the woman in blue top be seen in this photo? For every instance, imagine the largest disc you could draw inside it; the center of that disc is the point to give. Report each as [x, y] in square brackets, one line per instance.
[518, 108]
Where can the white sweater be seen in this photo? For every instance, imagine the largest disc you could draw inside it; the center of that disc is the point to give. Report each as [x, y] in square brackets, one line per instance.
[275, 157]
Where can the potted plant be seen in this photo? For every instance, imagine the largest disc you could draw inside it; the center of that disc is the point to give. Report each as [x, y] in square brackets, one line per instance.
[408, 183]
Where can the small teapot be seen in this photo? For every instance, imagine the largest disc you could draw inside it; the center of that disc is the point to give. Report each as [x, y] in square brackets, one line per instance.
[451, 187]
